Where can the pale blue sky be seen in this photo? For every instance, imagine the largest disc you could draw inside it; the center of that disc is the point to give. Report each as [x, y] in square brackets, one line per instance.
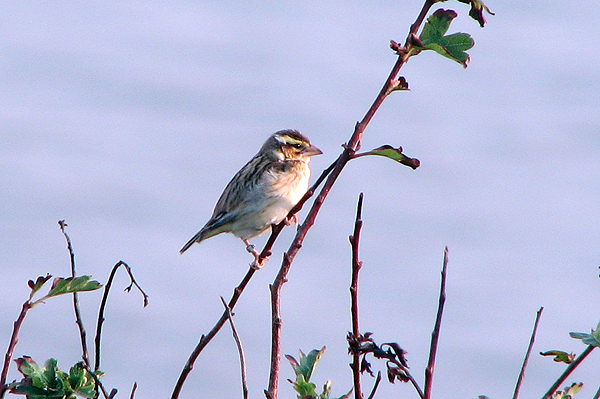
[127, 119]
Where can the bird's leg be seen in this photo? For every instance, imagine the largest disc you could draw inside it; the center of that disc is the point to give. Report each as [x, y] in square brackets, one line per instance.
[251, 248]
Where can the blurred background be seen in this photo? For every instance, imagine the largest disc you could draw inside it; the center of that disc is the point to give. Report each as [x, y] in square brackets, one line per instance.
[127, 119]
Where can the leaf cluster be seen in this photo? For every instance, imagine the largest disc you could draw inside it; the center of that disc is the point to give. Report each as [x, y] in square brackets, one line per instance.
[50, 382]
[60, 286]
[396, 364]
[303, 368]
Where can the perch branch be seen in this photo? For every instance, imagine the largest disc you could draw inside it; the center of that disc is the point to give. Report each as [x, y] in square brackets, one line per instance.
[349, 149]
[528, 353]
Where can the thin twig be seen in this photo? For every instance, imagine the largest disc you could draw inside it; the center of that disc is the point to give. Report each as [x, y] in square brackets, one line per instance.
[568, 371]
[82, 334]
[435, 335]
[103, 304]
[349, 149]
[133, 390]
[205, 339]
[238, 343]
[356, 266]
[414, 383]
[377, 381]
[597, 395]
[528, 353]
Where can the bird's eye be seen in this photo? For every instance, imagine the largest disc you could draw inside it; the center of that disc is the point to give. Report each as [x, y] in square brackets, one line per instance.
[297, 146]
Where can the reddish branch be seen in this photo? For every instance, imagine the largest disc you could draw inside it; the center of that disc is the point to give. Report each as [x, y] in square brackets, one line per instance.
[356, 266]
[11, 346]
[349, 149]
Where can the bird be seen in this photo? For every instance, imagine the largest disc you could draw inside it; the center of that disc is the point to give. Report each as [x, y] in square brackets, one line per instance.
[263, 191]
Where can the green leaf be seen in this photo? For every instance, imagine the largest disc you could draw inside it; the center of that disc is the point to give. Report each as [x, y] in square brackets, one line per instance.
[433, 37]
[72, 284]
[477, 9]
[304, 388]
[560, 356]
[307, 363]
[81, 381]
[28, 367]
[589, 339]
[394, 154]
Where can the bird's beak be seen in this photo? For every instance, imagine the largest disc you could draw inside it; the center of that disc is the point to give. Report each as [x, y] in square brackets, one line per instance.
[312, 151]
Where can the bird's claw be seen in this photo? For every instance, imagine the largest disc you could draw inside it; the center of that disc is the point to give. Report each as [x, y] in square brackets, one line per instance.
[291, 220]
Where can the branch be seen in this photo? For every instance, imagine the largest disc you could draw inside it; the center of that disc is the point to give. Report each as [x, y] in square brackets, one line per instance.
[597, 395]
[568, 371]
[276, 229]
[436, 330]
[238, 343]
[205, 339]
[133, 390]
[349, 149]
[82, 334]
[377, 381]
[528, 353]
[11, 346]
[356, 266]
[103, 304]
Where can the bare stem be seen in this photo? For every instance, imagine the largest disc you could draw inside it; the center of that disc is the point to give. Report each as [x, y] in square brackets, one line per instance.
[528, 353]
[597, 395]
[133, 390]
[377, 381]
[238, 343]
[356, 266]
[205, 339]
[82, 334]
[435, 335]
[14, 338]
[103, 305]
[568, 371]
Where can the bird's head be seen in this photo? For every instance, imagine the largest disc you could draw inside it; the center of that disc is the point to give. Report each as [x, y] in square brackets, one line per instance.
[290, 144]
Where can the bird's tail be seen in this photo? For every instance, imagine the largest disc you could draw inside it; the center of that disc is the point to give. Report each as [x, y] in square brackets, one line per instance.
[216, 225]
[201, 235]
